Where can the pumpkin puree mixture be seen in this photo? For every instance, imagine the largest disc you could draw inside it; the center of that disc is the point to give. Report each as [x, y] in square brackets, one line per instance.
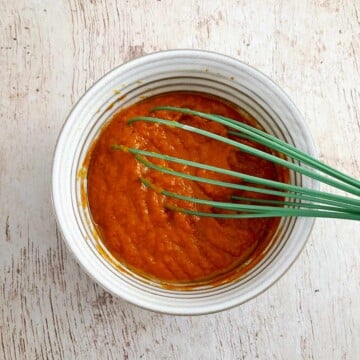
[135, 222]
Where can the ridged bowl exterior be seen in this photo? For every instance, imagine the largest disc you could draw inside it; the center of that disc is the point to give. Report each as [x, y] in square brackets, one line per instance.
[175, 70]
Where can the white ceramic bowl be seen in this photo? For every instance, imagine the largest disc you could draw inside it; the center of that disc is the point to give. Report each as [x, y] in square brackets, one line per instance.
[150, 75]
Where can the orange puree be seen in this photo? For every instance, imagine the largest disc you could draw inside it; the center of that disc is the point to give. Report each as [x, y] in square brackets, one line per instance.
[135, 222]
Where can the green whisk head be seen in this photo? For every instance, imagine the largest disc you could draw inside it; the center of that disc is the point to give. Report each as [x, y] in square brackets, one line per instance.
[290, 200]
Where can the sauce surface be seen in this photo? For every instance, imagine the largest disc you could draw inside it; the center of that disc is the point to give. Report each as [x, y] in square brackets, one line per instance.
[135, 222]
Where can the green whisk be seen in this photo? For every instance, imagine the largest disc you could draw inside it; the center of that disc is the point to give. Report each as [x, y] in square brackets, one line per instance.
[294, 200]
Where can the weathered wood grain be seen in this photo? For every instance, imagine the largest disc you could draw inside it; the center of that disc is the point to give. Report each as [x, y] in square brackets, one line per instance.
[50, 53]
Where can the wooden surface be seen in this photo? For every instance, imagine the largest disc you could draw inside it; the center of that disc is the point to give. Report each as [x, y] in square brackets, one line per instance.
[50, 53]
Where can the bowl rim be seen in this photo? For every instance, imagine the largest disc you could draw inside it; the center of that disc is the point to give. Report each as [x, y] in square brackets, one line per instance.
[190, 52]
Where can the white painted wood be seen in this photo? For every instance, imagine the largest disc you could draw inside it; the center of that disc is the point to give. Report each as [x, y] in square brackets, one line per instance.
[50, 53]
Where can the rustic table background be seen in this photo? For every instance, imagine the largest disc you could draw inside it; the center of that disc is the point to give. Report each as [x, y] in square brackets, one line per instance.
[50, 53]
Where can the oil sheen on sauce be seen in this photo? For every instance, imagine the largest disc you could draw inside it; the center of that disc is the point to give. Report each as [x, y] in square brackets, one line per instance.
[134, 221]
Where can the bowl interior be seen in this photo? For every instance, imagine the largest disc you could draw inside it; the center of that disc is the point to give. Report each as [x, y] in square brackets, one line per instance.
[182, 70]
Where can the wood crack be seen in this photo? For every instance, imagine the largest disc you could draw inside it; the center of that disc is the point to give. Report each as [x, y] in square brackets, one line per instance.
[7, 229]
